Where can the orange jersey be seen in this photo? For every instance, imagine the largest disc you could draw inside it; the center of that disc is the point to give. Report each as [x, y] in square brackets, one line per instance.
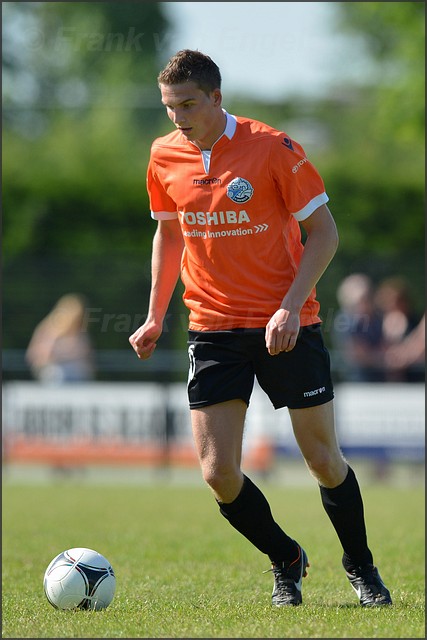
[239, 213]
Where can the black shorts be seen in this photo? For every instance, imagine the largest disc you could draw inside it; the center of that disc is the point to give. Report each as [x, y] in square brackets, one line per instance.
[224, 364]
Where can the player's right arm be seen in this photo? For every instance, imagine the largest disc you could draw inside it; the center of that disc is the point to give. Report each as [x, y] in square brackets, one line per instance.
[166, 257]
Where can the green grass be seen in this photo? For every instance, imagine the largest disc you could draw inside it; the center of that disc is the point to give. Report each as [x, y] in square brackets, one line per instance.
[183, 572]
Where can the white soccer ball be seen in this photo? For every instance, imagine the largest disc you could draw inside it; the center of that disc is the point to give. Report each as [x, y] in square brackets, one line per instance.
[79, 578]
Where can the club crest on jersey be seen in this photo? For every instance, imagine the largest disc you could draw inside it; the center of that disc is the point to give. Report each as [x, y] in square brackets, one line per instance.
[240, 190]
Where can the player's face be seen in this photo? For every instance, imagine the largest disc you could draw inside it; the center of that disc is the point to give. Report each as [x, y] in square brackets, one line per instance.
[197, 115]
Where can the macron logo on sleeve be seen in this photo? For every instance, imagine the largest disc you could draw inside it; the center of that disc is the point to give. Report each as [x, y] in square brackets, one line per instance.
[287, 142]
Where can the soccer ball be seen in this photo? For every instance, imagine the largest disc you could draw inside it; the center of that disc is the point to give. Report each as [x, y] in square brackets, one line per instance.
[79, 578]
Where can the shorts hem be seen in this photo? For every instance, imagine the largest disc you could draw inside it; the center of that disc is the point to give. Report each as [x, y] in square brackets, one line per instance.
[207, 403]
[306, 404]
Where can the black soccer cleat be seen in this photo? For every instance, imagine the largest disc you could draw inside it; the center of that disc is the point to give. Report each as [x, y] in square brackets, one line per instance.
[288, 580]
[367, 583]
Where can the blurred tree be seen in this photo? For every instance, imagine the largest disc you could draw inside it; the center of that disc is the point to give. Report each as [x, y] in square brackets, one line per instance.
[374, 162]
[79, 143]
[391, 104]
[76, 55]
[80, 107]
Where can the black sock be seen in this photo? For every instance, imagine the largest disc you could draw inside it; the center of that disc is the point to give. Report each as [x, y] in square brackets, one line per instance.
[251, 515]
[344, 506]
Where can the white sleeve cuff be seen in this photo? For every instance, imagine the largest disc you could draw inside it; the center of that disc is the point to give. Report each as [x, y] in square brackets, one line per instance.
[309, 208]
[164, 215]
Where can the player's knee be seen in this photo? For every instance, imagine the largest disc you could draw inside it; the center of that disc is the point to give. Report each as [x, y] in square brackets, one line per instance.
[326, 467]
[218, 477]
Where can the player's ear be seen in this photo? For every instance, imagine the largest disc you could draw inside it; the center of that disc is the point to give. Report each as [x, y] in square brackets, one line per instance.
[217, 97]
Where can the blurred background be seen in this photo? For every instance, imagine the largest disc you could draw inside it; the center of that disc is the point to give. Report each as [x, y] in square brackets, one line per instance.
[81, 108]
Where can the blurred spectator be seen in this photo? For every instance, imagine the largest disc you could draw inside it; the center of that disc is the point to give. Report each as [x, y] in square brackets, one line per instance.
[357, 331]
[59, 350]
[393, 300]
[407, 358]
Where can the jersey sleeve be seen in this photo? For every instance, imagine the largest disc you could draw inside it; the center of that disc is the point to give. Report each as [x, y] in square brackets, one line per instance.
[161, 204]
[298, 181]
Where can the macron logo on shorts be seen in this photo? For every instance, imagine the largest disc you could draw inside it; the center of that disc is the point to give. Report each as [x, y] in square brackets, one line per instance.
[314, 392]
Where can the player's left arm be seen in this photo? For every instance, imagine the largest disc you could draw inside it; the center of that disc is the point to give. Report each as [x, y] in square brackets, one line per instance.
[319, 249]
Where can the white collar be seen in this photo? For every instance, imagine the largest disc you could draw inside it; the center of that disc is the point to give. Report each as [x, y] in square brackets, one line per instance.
[230, 127]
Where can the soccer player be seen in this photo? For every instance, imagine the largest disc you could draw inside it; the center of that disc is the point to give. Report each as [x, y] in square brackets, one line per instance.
[229, 195]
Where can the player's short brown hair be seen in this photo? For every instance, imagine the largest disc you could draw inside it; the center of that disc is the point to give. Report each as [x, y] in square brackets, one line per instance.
[191, 66]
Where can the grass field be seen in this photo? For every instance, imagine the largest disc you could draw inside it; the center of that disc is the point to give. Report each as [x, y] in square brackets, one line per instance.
[183, 572]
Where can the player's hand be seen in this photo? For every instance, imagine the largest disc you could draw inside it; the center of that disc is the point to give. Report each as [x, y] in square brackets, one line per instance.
[282, 331]
[144, 340]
